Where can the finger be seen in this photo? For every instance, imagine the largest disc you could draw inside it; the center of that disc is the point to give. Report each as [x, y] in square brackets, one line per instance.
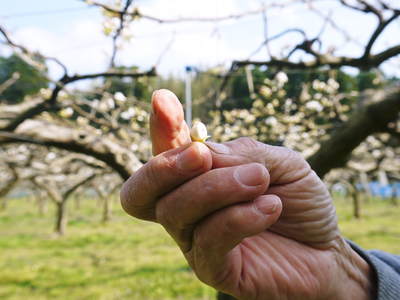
[160, 175]
[217, 235]
[185, 206]
[168, 129]
[284, 165]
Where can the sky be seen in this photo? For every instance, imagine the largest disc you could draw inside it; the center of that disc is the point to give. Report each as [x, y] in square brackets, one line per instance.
[73, 32]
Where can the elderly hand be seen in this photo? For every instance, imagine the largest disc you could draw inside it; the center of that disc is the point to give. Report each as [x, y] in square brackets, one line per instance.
[252, 220]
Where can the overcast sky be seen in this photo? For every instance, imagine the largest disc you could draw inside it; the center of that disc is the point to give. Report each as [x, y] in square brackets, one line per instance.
[72, 32]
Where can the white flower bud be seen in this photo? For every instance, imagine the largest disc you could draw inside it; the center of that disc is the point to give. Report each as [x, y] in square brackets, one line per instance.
[314, 105]
[281, 78]
[66, 112]
[198, 132]
[119, 97]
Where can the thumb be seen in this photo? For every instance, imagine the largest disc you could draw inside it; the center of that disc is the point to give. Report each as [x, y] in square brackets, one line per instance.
[168, 129]
[284, 165]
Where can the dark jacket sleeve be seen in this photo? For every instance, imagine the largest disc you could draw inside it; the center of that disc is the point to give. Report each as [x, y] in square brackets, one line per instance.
[387, 270]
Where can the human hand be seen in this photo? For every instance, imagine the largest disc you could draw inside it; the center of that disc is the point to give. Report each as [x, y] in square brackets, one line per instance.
[252, 220]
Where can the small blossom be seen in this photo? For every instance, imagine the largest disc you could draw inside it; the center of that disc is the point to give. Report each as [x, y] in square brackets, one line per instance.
[281, 78]
[126, 115]
[314, 105]
[119, 97]
[199, 132]
[66, 112]
[271, 121]
[333, 83]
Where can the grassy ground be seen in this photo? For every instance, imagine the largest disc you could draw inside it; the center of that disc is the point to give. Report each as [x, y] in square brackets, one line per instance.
[127, 259]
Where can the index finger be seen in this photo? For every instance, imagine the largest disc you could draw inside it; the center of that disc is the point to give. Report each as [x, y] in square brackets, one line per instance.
[160, 175]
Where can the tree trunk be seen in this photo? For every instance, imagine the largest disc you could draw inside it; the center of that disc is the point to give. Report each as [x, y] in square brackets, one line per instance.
[222, 296]
[42, 205]
[4, 203]
[77, 202]
[107, 205]
[61, 221]
[393, 198]
[356, 204]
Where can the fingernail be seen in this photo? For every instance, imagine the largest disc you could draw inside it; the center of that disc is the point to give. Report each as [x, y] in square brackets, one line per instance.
[152, 102]
[154, 93]
[251, 174]
[190, 159]
[266, 206]
[218, 148]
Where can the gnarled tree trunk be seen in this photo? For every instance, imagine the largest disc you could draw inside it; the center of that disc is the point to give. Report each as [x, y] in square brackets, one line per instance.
[107, 205]
[61, 217]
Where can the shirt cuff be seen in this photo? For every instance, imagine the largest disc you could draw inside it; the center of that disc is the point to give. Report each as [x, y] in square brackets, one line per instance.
[387, 270]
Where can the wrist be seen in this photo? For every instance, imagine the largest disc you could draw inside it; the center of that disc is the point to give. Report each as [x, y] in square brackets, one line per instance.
[356, 278]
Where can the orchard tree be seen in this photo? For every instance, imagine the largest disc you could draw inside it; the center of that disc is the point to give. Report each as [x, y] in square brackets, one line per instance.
[106, 186]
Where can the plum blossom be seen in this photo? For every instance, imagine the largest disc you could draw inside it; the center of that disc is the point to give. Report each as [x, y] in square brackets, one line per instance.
[314, 105]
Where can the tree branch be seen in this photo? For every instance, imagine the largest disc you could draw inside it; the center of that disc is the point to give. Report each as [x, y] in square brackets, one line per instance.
[73, 188]
[25, 50]
[50, 103]
[117, 157]
[118, 32]
[362, 63]
[381, 26]
[136, 14]
[369, 119]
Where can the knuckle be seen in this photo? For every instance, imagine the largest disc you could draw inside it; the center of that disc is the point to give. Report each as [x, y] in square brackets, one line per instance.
[128, 195]
[201, 240]
[156, 165]
[162, 214]
[166, 216]
[231, 223]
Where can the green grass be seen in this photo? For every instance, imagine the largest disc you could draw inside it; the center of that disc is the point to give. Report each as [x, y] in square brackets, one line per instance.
[127, 258]
[378, 227]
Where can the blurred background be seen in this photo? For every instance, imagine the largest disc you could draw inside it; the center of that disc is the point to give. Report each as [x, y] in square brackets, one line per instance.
[76, 77]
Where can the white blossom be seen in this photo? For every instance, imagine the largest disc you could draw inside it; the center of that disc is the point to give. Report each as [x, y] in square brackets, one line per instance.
[126, 115]
[95, 103]
[333, 83]
[110, 103]
[66, 112]
[82, 121]
[314, 105]
[51, 156]
[119, 97]
[45, 93]
[199, 132]
[271, 121]
[318, 85]
[281, 78]
[265, 91]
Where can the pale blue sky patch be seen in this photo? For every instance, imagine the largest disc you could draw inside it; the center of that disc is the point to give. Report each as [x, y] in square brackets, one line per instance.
[72, 31]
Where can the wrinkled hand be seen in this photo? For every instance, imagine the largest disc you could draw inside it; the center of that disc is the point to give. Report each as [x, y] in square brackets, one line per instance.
[252, 220]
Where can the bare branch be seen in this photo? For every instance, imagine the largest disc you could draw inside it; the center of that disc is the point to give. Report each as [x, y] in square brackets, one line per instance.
[73, 188]
[334, 62]
[118, 157]
[381, 26]
[9, 82]
[25, 50]
[118, 32]
[136, 14]
[364, 7]
[277, 36]
[50, 104]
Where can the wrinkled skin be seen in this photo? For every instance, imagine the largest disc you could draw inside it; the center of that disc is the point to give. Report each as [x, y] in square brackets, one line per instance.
[252, 220]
